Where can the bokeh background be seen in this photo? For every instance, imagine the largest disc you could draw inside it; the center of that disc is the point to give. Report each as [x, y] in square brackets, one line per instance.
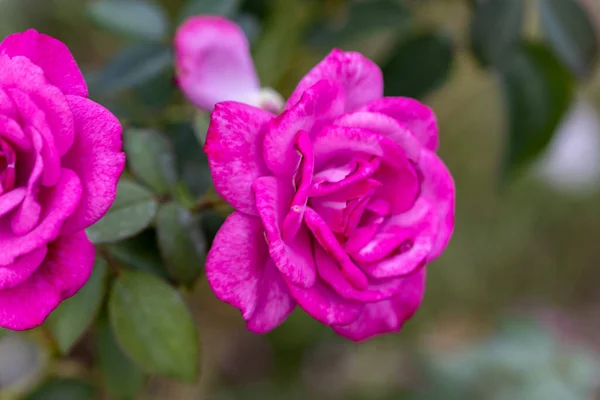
[512, 309]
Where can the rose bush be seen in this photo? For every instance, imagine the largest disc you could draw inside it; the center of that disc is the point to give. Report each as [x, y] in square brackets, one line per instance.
[340, 202]
[60, 160]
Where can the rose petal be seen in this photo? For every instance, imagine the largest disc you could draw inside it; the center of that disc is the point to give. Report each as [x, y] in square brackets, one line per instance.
[324, 305]
[319, 105]
[213, 62]
[96, 158]
[419, 118]
[28, 214]
[9, 201]
[34, 119]
[328, 241]
[66, 268]
[7, 107]
[438, 186]
[338, 142]
[51, 55]
[388, 315]
[12, 132]
[331, 211]
[236, 260]
[292, 257]
[422, 219]
[304, 175]
[376, 290]
[20, 73]
[360, 171]
[59, 203]
[385, 126]
[360, 77]
[400, 186]
[13, 274]
[360, 236]
[274, 302]
[233, 149]
[402, 244]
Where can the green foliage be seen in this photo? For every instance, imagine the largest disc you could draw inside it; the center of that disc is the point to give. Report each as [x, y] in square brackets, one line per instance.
[537, 91]
[64, 389]
[210, 222]
[418, 65]
[181, 242]
[137, 18]
[200, 126]
[192, 164]
[132, 67]
[139, 252]
[496, 26]
[132, 212]
[151, 159]
[122, 378]
[213, 7]
[571, 34]
[74, 316]
[153, 325]
[357, 21]
[275, 49]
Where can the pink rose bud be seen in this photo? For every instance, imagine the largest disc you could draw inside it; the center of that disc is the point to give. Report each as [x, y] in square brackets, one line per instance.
[60, 160]
[214, 64]
[341, 201]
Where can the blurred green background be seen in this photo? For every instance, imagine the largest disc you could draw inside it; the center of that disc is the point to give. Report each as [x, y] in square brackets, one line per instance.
[512, 309]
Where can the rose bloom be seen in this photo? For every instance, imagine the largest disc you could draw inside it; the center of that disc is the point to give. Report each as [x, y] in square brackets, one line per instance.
[60, 160]
[340, 200]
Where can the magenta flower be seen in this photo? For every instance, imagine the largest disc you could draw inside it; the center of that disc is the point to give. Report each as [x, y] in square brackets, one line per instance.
[341, 200]
[214, 64]
[60, 159]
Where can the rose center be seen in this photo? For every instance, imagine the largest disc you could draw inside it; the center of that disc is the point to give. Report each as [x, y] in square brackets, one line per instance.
[7, 167]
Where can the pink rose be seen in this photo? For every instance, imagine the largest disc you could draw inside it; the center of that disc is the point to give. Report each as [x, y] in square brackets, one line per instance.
[60, 160]
[213, 63]
[341, 200]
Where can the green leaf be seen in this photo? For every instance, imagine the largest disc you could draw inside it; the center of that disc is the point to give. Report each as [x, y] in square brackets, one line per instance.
[132, 212]
[181, 242]
[153, 325]
[537, 91]
[200, 123]
[211, 223]
[122, 378]
[474, 3]
[139, 252]
[418, 66]
[192, 164]
[132, 67]
[212, 7]
[150, 158]
[250, 25]
[73, 317]
[276, 49]
[2, 332]
[138, 18]
[571, 34]
[496, 27]
[364, 18]
[64, 389]
[157, 93]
